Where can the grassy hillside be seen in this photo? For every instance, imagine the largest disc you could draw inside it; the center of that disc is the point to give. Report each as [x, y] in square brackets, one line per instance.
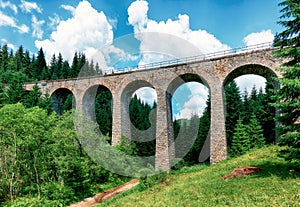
[277, 185]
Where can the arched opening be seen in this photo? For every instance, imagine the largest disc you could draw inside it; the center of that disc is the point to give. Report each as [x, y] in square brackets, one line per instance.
[249, 115]
[97, 102]
[139, 100]
[62, 100]
[190, 106]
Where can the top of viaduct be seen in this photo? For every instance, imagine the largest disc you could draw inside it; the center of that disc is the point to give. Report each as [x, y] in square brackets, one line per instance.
[223, 65]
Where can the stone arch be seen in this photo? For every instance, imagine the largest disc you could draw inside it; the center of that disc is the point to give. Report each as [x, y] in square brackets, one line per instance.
[256, 69]
[182, 145]
[126, 96]
[61, 100]
[184, 78]
[89, 98]
[55, 88]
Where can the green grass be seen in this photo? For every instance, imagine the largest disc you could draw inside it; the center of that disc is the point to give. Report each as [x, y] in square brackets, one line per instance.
[201, 185]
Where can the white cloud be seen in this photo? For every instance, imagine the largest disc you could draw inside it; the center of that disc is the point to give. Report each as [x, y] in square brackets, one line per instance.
[28, 7]
[196, 101]
[68, 8]
[137, 15]
[11, 46]
[54, 21]
[86, 31]
[201, 39]
[256, 38]
[11, 22]
[13, 7]
[246, 82]
[194, 106]
[146, 94]
[37, 27]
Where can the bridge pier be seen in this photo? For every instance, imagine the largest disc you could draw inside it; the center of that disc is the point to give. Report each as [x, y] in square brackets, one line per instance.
[218, 142]
[165, 147]
[116, 119]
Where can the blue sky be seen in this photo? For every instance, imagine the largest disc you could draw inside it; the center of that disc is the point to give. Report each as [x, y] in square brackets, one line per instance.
[230, 21]
[85, 26]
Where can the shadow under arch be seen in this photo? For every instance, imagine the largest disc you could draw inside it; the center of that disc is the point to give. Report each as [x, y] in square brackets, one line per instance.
[62, 100]
[97, 104]
[183, 141]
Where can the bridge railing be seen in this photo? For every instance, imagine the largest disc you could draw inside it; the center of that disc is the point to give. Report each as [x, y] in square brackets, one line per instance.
[202, 57]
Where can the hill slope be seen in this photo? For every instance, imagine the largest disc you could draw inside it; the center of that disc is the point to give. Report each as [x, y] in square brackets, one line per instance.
[277, 185]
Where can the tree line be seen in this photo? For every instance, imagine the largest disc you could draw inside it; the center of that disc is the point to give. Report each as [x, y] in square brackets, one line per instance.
[34, 67]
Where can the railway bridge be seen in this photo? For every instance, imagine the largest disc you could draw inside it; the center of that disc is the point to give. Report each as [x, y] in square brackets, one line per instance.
[214, 71]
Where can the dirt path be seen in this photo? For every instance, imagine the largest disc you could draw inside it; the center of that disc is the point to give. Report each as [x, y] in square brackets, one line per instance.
[98, 198]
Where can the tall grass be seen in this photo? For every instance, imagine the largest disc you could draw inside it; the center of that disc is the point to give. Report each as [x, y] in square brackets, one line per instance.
[201, 185]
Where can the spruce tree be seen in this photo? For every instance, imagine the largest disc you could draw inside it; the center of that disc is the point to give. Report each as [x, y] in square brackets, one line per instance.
[19, 59]
[288, 96]
[266, 113]
[4, 58]
[53, 68]
[255, 133]
[74, 68]
[233, 109]
[65, 70]
[42, 71]
[240, 140]
[59, 65]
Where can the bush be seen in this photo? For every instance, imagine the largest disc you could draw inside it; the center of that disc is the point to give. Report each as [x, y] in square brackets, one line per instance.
[54, 191]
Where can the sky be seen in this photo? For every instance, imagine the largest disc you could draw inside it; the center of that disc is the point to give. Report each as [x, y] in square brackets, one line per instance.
[88, 25]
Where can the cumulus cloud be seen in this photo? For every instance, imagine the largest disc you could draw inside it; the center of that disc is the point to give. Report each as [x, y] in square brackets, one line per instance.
[37, 27]
[193, 104]
[256, 38]
[28, 7]
[80, 33]
[11, 22]
[246, 82]
[201, 39]
[13, 7]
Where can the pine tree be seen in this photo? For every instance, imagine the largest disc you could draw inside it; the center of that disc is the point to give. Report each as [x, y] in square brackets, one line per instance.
[59, 66]
[246, 107]
[266, 112]
[255, 133]
[74, 68]
[42, 71]
[288, 96]
[19, 59]
[4, 58]
[65, 70]
[240, 140]
[27, 65]
[53, 68]
[233, 109]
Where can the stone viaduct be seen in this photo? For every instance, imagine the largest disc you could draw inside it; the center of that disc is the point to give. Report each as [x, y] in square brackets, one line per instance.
[214, 73]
